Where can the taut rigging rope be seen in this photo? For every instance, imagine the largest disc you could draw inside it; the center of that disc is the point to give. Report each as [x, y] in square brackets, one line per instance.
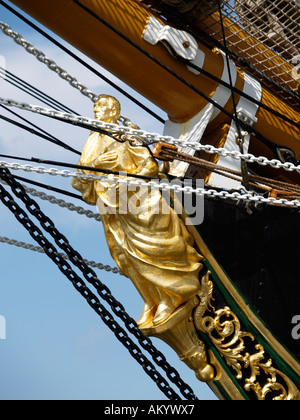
[40, 250]
[40, 134]
[50, 136]
[102, 290]
[246, 126]
[240, 136]
[33, 91]
[89, 67]
[184, 24]
[152, 138]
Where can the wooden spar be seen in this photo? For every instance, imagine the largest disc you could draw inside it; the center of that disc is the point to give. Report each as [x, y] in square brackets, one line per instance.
[100, 43]
[90, 36]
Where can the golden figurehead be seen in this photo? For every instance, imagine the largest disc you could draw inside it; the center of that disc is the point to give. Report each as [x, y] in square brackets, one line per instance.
[152, 248]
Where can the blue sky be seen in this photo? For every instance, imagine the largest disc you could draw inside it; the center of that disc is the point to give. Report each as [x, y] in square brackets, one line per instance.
[56, 347]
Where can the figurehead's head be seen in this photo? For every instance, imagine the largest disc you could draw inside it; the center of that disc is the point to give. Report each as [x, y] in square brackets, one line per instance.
[107, 109]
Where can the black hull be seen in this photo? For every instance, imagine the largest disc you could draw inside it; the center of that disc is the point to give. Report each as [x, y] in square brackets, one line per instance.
[260, 254]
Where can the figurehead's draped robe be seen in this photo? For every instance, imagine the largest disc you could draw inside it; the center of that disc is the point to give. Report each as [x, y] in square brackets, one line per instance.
[153, 249]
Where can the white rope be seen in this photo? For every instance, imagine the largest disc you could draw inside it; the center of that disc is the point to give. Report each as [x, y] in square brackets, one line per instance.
[156, 184]
[51, 64]
[40, 250]
[151, 138]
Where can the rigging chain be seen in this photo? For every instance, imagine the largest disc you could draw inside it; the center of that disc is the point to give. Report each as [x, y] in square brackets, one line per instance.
[240, 135]
[40, 250]
[171, 153]
[46, 137]
[6, 29]
[59, 202]
[73, 82]
[246, 126]
[102, 289]
[33, 91]
[146, 138]
[63, 74]
[163, 186]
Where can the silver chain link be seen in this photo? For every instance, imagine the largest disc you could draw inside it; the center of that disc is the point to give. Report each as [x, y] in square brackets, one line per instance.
[61, 203]
[151, 138]
[34, 248]
[51, 64]
[148, 137]
[40, 56]
[163, 186]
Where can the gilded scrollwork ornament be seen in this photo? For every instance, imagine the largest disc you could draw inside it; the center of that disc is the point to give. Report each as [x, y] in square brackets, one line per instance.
[240, 349]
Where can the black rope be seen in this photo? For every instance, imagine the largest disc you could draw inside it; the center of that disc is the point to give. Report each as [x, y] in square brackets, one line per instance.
[229, 73]
[39, 134]
[102, 290]
[78, 167]
[49, 188]
[244, 125]
[33, 91]
[240, 139]
[89, 67]
[29, 122]
[183, 23]
[241, 93]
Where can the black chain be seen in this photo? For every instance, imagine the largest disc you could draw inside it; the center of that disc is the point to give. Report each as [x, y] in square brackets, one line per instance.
[102, 289]
[81, 287]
